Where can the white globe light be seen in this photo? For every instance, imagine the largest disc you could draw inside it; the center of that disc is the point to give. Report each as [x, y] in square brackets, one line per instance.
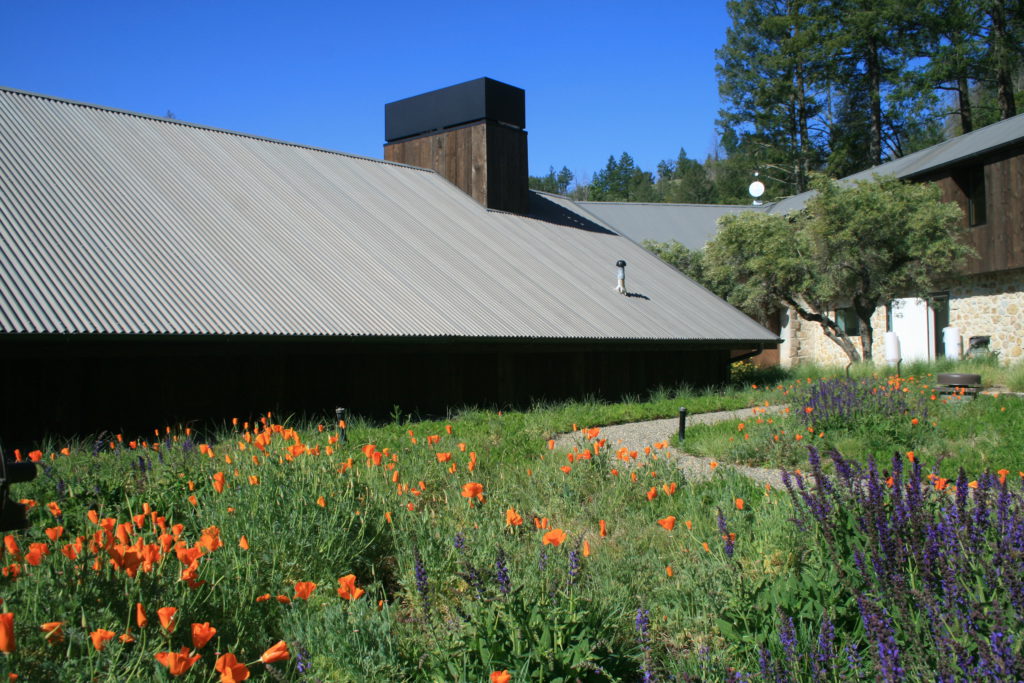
[756, 189]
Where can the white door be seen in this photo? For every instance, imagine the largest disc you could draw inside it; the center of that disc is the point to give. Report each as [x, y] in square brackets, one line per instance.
[912, 323]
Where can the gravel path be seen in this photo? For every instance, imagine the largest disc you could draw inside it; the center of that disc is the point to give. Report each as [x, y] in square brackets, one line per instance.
[636, 435]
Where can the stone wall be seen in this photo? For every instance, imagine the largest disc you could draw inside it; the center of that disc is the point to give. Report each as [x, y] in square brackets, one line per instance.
[806, 342]
[990, 304]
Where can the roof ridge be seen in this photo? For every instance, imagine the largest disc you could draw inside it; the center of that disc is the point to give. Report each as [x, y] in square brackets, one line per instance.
[731, 206]
[199, 126]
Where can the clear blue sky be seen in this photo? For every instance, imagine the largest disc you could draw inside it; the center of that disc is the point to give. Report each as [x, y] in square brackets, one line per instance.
[600, 77]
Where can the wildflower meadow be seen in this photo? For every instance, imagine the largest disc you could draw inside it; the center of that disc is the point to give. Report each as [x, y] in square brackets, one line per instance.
[479, 549]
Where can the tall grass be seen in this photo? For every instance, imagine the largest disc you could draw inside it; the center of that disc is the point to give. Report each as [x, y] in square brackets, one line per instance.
[443, 525]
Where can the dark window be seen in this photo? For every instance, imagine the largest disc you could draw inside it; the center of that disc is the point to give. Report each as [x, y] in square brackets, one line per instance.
[972, 183]
[940, 317]
[848, 321]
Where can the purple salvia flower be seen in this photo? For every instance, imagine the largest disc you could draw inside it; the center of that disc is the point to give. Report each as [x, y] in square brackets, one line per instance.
[826, 643]
[853, 659]
[422, 586]
[723, 528]
[642, 622]
[764, 661]
[787, 636]
[501, 573]
[574, 566]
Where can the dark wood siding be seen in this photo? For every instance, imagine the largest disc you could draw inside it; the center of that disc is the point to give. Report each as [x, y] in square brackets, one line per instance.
[1000, 240]
[82, 385]
[486, 160]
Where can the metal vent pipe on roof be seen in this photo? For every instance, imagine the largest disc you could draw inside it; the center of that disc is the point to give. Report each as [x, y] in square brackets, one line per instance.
[621, 286]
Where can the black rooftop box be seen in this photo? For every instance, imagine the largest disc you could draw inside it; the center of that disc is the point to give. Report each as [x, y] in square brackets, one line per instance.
[483, 98]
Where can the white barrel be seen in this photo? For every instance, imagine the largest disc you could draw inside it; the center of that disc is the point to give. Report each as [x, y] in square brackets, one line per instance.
[892, 348]
[951, 340]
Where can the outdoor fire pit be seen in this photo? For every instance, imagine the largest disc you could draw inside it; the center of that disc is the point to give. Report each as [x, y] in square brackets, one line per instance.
[958, 384]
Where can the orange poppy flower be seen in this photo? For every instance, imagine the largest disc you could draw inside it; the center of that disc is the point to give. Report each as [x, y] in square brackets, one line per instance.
[565, 469]
[230, 669]
[100, 637]
[303, 589]
[652, 493]
[321, 501]
[603, 527]
[177, 662]
[554, 537]
[276, 653]
[739, 503]
[473, 490]
[54, 631]
[704, 545]
[54, 532]
[667, 523]
[668, 571]
[201, 634]
[347, 588]
[713, 464]
[218, 482]
[7, 632]
[669, 489]
[243, 543]
[689, 525]
[513, 518]
[586, 548]
[140, 615]
[502, 676]
[167, 619]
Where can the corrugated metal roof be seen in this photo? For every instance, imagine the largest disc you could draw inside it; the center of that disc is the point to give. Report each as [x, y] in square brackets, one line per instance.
[923, 162]
[113, 222]
[692, 225]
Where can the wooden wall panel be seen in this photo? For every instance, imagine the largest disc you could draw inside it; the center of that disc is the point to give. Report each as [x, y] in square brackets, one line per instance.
[1000, 240]
[486, 160]
[82, 385]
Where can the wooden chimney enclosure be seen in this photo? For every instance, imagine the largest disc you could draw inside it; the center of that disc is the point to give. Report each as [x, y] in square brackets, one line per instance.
[472, 134]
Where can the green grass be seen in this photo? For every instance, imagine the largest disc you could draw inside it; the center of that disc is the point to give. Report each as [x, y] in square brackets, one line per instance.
[567, 615]
[981, 434]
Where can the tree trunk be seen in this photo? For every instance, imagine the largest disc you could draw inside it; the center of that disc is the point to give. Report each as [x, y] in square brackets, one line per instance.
[865, 309]
[828, 326]
[802, 137]
[964, 96]
[872, 63]
[1000, 51]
